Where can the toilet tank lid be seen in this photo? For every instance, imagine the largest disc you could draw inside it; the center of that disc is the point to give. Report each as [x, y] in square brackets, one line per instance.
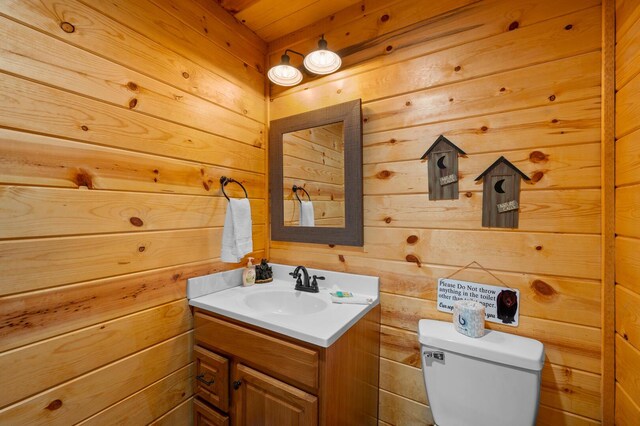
[503, 348]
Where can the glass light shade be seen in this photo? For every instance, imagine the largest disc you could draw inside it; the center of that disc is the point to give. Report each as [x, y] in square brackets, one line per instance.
[322, 61]
[284, 74]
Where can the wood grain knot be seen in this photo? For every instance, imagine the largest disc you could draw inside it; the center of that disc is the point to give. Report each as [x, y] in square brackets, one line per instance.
[67, 27]
[332, 245]
[392, 141]
[484, 128]
[538, 157]
[412, 239]
[543, 289]
[185, 74]
[136, 221]
[411, 258]
[538, 248]
[468, 194]
[245, 111]
[341, 258]
[625, 337]
[568, 27]
[503, 89]
[54, 405]
[552, 98]
[384, 174]
[84, 128]
[554, 121]
[364, 120]
[408, 103]
[389, 48]
[384, 18]
[132, 103]
[387, 219]
[84, 179]
[132, 86]
[450, 99]
[514, 25]
[176, 277]
[141, 249]
[339, 91]
[156, 171]
[537, 176]
[205, 185]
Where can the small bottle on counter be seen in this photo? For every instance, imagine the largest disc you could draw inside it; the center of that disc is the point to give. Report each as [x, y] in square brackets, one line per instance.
[249, 274]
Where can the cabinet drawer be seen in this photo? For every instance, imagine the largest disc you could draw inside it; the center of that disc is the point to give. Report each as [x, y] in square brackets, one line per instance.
[278, 356]
[212, 378]
[207, 416]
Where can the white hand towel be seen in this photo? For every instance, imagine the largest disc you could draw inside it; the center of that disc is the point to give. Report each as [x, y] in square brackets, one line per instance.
[237, 233]
[307, 217]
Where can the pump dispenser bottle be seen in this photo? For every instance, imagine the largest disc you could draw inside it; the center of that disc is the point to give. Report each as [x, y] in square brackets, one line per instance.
[249, 274]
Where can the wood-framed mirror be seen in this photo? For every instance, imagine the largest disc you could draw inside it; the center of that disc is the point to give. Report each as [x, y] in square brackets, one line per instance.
[315, 172]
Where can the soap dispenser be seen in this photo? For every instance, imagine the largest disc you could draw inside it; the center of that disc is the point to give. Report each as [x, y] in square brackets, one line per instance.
[249, 274]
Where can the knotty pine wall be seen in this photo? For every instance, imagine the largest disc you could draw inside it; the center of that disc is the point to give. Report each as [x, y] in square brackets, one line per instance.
[627, 293]
[520, 79]
[117, 119]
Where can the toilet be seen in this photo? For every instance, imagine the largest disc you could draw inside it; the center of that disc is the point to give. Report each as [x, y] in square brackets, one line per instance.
[493, 380]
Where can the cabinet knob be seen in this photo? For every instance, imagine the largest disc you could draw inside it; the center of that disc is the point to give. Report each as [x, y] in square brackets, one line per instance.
[205, 381]
[237, 384]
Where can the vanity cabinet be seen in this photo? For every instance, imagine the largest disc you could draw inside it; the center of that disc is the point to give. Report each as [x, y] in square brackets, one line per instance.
[247, 375]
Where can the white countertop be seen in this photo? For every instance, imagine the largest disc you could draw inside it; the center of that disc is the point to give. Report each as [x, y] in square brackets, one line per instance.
[320, 328]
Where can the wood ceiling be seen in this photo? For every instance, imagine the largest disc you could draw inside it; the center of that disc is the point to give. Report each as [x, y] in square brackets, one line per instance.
[272, 19]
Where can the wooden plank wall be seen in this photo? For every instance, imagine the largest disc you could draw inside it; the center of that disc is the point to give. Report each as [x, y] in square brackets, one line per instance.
[314, 159]
[520, 79]
[627, 292]
[117, 119]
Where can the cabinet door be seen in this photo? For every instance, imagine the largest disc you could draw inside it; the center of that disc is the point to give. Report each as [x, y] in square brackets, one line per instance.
[259, 399]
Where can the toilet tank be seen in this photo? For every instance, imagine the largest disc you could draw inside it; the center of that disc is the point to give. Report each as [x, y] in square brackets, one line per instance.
[493, 380]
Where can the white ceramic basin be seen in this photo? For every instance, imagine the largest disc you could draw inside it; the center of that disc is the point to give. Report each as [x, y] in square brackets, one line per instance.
[285, 302]
[276, 306]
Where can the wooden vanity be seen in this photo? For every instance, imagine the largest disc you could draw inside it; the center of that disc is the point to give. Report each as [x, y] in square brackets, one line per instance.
[246, 375]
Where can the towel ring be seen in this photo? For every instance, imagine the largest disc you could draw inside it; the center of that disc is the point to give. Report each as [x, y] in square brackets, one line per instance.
[225, 180]
[295, 191]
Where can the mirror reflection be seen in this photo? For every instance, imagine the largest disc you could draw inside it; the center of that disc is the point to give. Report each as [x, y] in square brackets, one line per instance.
[313, 176]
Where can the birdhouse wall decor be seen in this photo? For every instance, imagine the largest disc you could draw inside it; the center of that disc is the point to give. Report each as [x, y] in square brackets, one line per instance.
[501, 194]
[442, 159]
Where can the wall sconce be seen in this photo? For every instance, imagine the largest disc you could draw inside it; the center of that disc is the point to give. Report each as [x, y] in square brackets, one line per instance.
[322, 61]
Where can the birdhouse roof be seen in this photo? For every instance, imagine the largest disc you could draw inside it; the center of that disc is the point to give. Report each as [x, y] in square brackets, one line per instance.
[508, 163]
[441, 138]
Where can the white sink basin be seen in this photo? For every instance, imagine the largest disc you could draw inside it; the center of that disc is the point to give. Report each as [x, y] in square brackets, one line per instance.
[285, 302]
[276, 306]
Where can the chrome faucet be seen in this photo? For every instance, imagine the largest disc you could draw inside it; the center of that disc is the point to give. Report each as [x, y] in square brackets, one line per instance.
[304, 285]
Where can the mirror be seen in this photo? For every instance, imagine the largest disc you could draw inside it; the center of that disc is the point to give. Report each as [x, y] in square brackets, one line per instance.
[315, 162]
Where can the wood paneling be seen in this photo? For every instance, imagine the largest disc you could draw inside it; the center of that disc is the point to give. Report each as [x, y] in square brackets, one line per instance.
[271, 19]
[520, 79]
[627, 213]
[117, 120]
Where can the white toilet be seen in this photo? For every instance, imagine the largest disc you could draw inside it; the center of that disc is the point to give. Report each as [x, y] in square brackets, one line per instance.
[493, 380]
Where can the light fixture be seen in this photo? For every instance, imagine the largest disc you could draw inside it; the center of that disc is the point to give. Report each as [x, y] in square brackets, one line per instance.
[285, 74]
[322, 61]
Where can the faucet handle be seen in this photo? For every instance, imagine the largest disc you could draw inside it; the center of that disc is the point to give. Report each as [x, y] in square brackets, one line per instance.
[314, 283]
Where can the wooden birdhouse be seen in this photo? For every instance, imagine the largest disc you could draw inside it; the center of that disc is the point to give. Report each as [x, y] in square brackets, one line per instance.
[442, 159]
[501, 194]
